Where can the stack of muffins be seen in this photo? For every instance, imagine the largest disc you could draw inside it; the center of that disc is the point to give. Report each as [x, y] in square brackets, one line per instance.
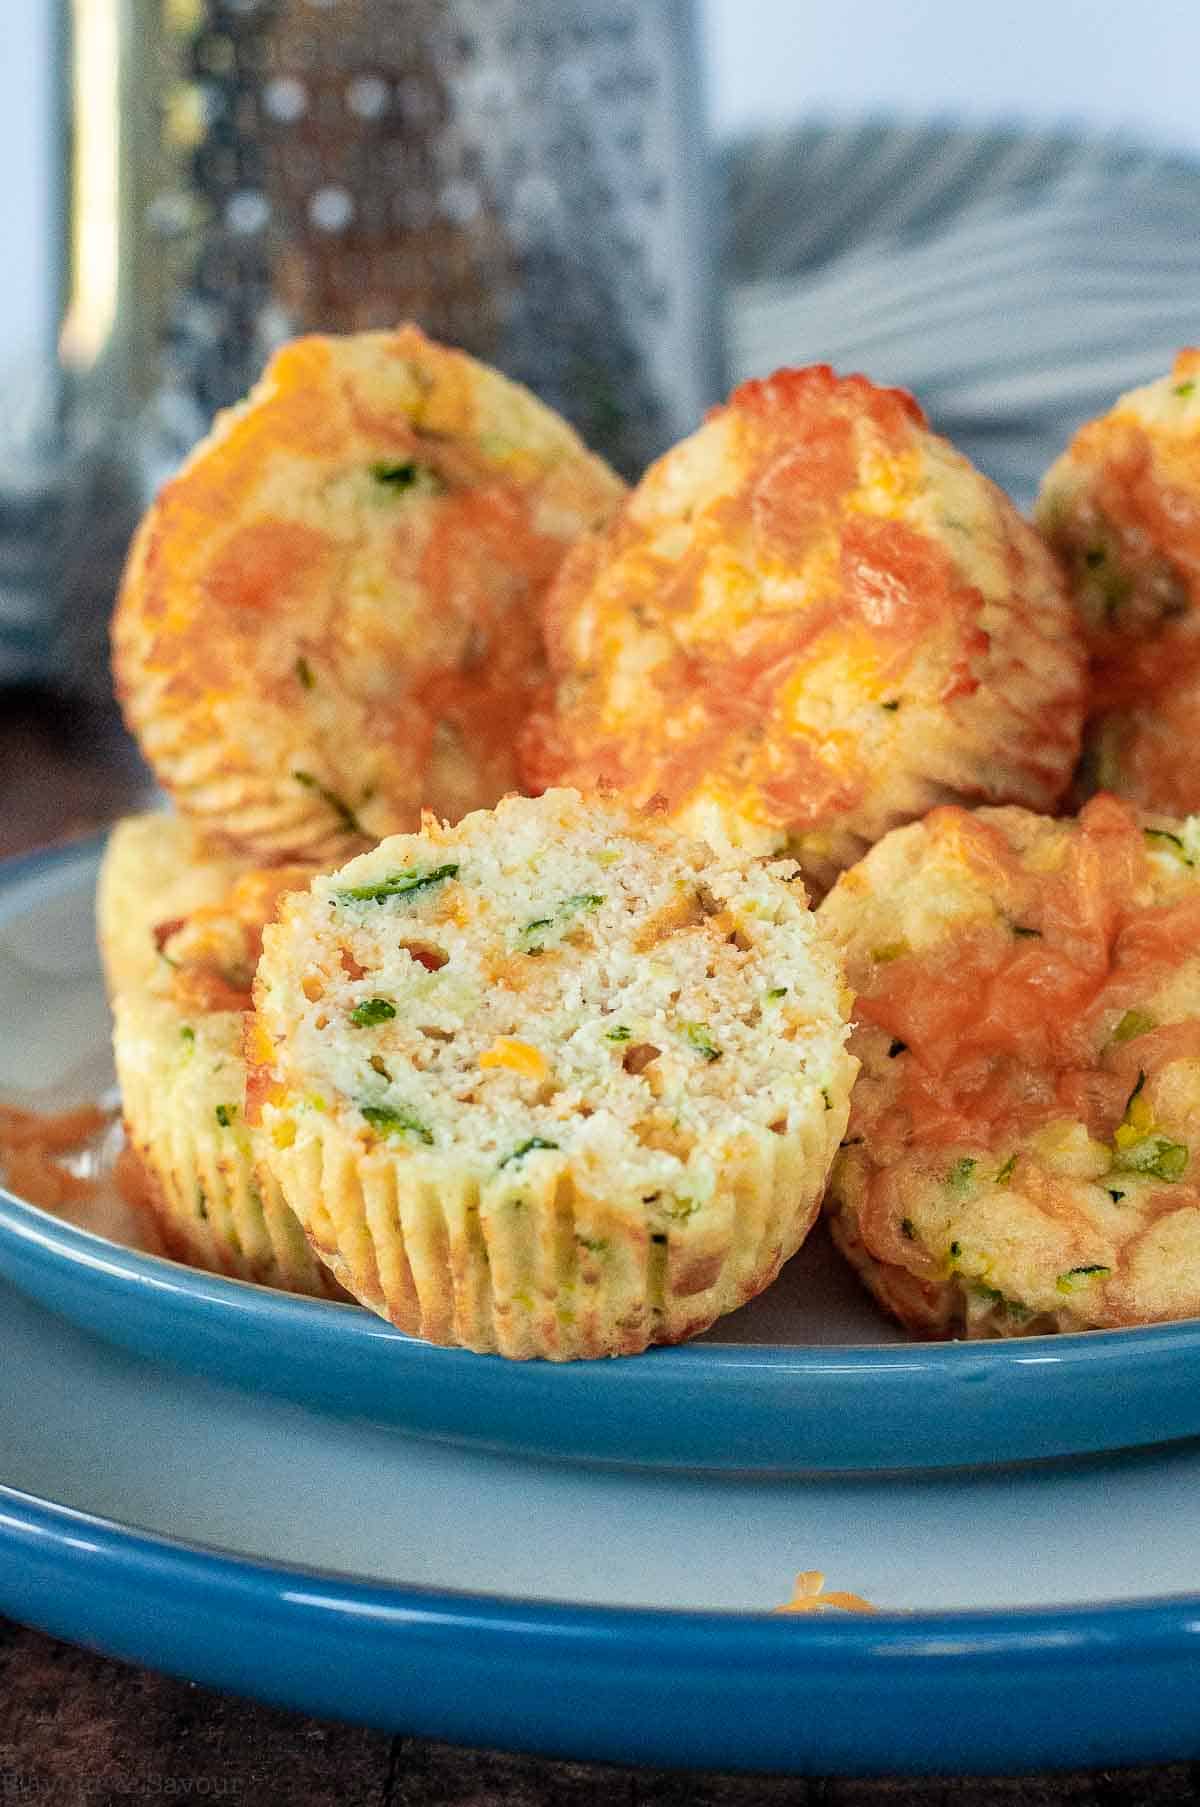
[567, 1073]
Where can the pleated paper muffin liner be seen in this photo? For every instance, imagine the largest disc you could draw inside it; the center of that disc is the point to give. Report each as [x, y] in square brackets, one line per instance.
[538, 1265]
[215, 1208]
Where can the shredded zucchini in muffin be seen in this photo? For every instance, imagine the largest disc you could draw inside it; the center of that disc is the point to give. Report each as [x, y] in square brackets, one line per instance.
[1024, 1145]
[180, 951]
[1121, 508]
[566, 1012]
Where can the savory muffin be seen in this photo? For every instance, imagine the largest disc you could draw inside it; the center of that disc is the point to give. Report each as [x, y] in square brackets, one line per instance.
[1121, 507]
[555, 1082]
[811, 621]
[330, 615]
[1024, 1143]
[1143, 745]
[157, 868]
[177, 1040]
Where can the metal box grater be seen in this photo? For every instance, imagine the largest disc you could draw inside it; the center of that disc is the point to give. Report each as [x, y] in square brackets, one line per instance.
[524, 177]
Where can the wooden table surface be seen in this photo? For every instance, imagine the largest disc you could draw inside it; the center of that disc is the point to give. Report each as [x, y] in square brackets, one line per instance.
[76, 1728]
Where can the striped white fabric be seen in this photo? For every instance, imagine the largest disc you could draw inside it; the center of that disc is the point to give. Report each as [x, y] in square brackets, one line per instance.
[1015, 282]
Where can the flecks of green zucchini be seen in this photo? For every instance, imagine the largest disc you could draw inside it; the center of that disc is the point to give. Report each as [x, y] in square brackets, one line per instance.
[524, 1148]
[372, 1011]
[398, 884]
[394, 1122]
[697, 1034]
[341, 809]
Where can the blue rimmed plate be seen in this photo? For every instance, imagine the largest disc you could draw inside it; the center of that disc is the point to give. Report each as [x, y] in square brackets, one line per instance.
[1029, 1617]
[810, 1377]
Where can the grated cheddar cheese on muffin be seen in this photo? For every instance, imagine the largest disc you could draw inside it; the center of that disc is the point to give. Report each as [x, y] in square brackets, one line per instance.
[177, 1040]
[1024, 1144]
[329, 618]
[554, 1082]
[811, 621]
[157, 868]
[1121, 508]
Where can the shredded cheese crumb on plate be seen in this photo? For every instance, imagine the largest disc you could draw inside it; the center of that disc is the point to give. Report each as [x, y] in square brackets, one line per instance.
[812, 1596]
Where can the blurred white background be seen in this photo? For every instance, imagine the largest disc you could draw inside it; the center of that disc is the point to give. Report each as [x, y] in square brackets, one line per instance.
[1123, 64]
[1129, 65]
[24, 241]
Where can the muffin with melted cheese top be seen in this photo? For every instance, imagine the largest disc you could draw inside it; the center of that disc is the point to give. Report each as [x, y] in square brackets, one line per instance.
[330, 616]
[180, 990]
[1121, 507]
[811, 621]
[554, 1082]
[1024, 1144]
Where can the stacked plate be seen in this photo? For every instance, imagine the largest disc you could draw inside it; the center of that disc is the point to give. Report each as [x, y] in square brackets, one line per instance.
[288, 1498]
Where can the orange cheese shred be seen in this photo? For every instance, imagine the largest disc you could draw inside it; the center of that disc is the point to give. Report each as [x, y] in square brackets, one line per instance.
[811, 1596]
[520, 1057]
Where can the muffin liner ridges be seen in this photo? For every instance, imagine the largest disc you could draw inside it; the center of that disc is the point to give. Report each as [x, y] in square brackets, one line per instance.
[170, 909]
[535, 1268]
[214, 1209]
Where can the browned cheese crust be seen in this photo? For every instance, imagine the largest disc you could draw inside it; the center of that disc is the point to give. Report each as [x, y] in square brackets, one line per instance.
[330, 616]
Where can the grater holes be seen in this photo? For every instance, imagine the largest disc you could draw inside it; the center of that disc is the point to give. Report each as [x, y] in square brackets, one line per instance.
[273, 326]
[331, 208]
[472, 157]
[460, 202]
[170, 213]
[367, 96]
[247, 212]
[285, 99]
[187, 115]
[201, 321]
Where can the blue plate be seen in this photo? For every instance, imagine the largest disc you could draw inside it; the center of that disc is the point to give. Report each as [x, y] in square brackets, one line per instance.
[810, 1377]
[1027, 1614]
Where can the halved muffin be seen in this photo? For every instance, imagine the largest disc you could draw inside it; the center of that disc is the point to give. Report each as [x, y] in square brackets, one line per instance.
[180, 988]
[1024, 1143]
[811, 621]
[330, 616]
[554, 1082]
